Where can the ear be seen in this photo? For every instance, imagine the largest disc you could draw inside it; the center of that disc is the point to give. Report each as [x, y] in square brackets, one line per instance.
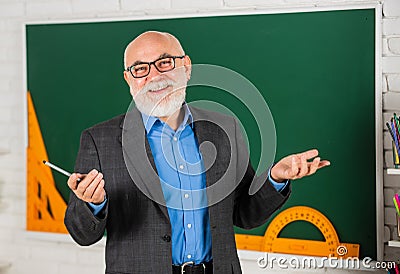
[188, 66]
[126, 76]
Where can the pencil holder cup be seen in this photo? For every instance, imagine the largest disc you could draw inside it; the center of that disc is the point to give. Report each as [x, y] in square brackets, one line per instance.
[398, 225]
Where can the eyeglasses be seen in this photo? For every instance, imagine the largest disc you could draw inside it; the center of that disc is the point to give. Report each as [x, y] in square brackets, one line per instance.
[162, 64]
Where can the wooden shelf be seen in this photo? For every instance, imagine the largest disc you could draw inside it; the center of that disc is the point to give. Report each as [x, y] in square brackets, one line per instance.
[393, 171]
[394, 243]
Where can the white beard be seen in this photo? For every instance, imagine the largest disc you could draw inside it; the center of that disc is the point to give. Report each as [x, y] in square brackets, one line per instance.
[161, 105]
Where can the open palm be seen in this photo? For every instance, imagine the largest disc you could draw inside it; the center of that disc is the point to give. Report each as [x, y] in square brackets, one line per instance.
[296, 166]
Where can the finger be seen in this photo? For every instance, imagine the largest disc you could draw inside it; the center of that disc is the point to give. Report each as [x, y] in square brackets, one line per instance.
[314, 166]
[99, 194]
[88, 193]
[303, 167]
[324, 163]
[86, 181]
[80, 177]
[309, 154]
[294, 169]
[73, 181]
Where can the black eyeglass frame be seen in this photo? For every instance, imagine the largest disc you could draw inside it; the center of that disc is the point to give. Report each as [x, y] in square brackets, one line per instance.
[154, 64]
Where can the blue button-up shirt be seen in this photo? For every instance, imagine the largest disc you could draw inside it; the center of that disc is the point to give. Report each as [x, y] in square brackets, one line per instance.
[181, 172]
[180, 168]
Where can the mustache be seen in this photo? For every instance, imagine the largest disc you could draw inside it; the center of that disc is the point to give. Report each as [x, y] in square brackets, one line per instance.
[157, 85]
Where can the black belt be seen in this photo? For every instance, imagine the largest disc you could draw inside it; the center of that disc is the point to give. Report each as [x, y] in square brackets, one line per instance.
[191, 268]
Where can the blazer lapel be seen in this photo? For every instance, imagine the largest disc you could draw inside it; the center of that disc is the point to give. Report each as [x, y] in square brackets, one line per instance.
[209, 145]
[215, 147]
[216, 153]
[139, 158]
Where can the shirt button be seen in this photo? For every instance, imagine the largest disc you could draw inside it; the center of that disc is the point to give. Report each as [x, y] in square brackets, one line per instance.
[175, 139]
[189, 256]
[189, 225]
[181, 166]
[186, 196]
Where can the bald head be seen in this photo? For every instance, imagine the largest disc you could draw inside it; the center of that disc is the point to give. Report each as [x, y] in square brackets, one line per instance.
[147, 45]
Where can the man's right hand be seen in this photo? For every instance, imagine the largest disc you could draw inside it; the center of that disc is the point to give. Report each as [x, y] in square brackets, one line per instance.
[91, 187]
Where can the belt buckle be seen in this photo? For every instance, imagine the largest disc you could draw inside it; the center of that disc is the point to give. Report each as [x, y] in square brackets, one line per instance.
[185, 264]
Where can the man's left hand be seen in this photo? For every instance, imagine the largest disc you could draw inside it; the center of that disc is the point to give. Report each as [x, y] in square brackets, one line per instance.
[296, 166]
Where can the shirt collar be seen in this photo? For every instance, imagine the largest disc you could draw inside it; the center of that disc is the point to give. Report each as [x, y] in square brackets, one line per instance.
[149, 121]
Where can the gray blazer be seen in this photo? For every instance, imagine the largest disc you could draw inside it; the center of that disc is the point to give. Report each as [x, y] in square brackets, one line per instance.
[138, 229]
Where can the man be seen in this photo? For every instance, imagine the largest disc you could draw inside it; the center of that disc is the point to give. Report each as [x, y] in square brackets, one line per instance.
[166, 206]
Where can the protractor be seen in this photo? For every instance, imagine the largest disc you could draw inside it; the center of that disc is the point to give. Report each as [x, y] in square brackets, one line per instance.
[301, 213]
[270, 242]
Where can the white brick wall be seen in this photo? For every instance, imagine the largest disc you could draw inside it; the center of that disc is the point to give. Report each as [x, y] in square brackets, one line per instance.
[48, 9]
[393, 81]
[391, 26]
[79, 6]
[391, 8]
[391, 103]
[241, 3]
[391, 64]
[394, 45]
[196, 4]
[30, 255]
[12, 9]
[128, 5]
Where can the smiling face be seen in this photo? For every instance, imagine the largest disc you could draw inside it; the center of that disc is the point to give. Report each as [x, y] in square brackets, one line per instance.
[157, 94]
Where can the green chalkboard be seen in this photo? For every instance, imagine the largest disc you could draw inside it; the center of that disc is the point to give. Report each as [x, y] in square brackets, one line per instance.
[314, 69]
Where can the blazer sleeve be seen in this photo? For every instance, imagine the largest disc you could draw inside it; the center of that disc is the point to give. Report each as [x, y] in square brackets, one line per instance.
[254, 210]
[83, 226]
